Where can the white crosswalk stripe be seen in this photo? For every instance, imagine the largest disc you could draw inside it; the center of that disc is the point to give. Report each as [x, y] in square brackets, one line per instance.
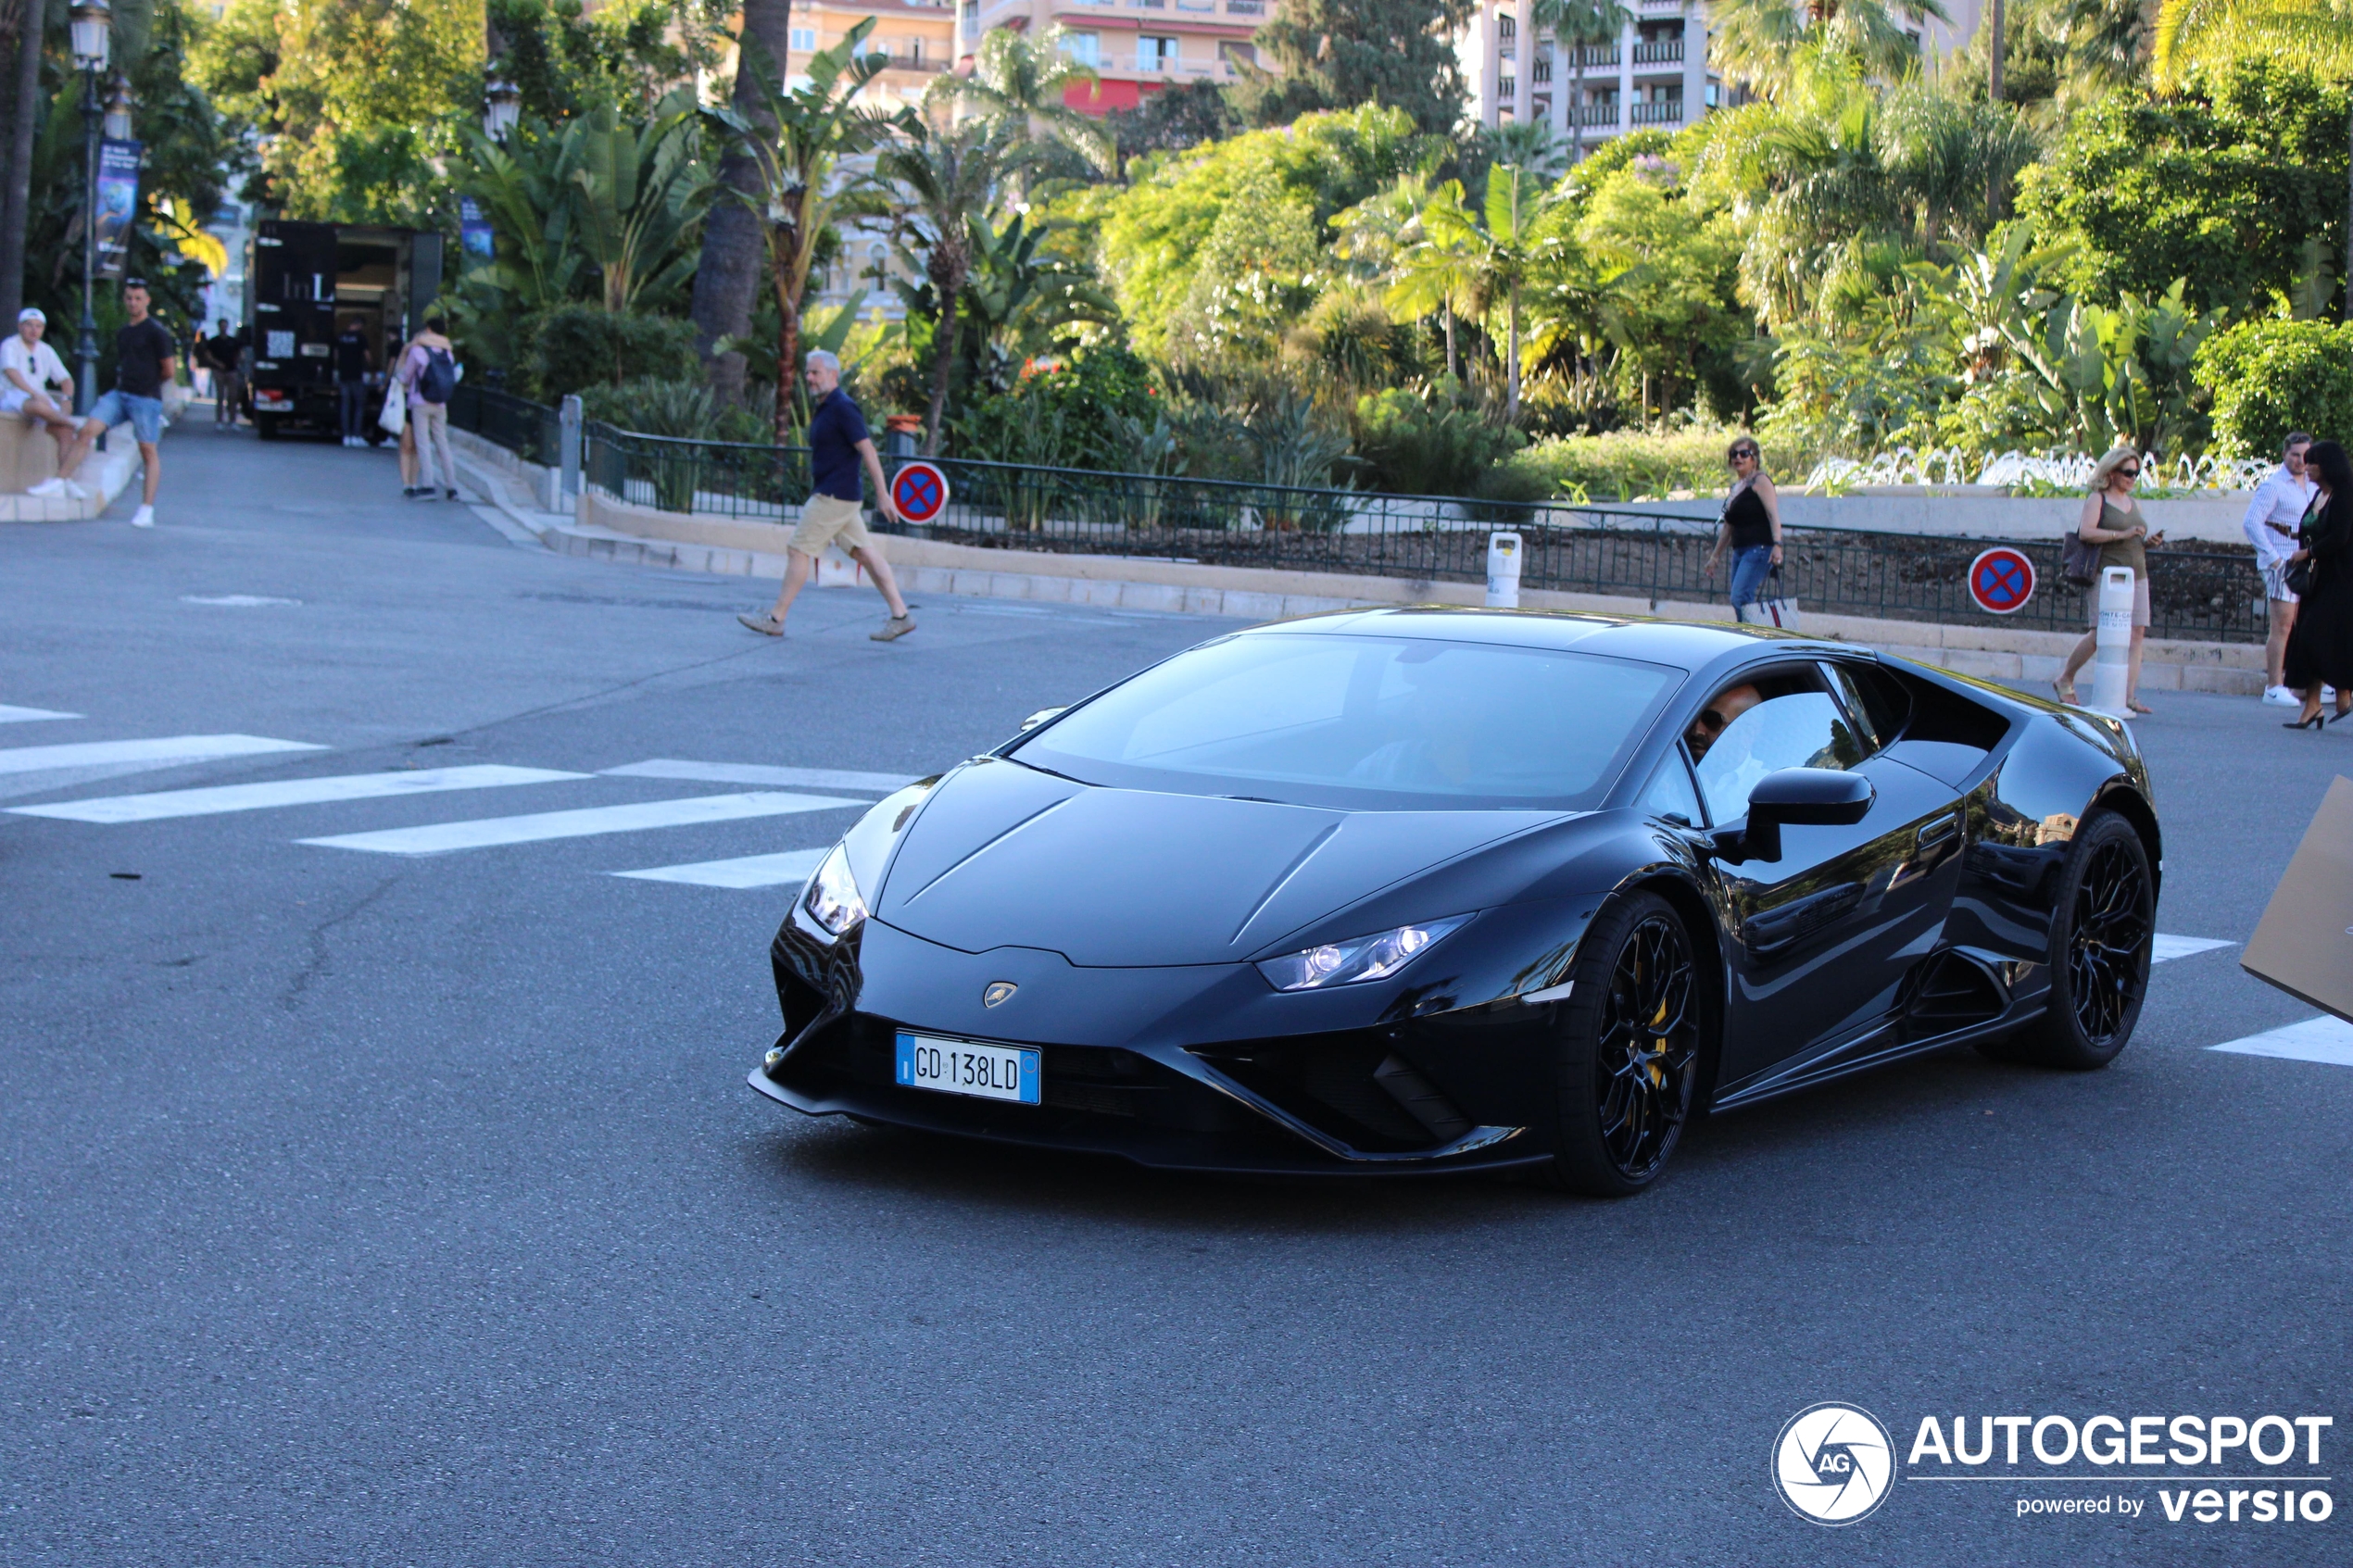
[2164, 949]
[162, 752]
[485, 833]
[752, 871]
[26, 715]
[2328, 1040]
[289, 792]
[759, 773]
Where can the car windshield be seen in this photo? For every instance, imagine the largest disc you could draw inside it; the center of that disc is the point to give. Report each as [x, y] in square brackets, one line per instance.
[1364, 722]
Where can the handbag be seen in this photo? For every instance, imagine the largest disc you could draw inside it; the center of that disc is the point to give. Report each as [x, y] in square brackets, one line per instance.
[2078, 558]
[1780, 612]
[2298, 579]
[395, 410]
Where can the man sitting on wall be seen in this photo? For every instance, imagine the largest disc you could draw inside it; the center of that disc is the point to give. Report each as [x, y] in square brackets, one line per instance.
[30, 373]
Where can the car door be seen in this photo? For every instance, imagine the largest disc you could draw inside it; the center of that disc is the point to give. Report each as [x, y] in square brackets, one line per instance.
[1824, 935]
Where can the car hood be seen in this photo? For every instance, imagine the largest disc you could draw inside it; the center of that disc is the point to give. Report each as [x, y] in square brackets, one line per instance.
[1002, 854]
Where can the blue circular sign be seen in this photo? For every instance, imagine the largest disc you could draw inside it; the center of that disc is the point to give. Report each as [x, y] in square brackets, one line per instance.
[2001, 579]
[920, 491]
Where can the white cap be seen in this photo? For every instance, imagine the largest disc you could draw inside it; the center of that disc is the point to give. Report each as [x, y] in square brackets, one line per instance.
[32, 313]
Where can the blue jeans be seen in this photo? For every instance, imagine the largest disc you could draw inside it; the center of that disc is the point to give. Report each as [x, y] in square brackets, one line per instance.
[146, 415]
[352, 396]
[1751, 565]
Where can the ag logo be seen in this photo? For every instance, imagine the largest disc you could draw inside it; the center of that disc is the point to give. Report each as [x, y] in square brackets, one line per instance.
[1833, 1464]
[997, 991]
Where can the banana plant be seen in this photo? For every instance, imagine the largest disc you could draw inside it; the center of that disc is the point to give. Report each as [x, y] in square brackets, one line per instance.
[636, 190]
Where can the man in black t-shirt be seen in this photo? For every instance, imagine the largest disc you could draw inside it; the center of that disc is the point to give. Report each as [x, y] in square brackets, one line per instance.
[224, 355]
[145, 357]
[353, 361]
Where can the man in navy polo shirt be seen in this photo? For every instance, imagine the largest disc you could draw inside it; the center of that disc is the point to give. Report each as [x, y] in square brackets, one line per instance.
[838, 448]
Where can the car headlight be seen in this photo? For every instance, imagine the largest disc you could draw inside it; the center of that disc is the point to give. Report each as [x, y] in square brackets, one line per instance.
[1359, 958]
[832, 900]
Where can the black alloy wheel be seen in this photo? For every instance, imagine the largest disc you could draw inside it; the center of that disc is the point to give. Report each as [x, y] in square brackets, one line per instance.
[1632, 1035]
[2105, 918]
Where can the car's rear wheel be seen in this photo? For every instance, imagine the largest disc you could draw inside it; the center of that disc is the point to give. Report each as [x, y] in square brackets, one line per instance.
[2104, 923]
[1629, 1058]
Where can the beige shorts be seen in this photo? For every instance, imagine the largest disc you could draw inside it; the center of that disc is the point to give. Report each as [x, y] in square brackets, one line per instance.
[2140, 601]
[830, 519]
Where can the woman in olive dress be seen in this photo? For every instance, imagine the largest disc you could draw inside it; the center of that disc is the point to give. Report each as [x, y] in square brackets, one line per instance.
[2319, 650]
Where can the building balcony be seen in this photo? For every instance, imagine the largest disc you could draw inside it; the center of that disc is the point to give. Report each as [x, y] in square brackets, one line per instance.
[1245, 7]
[1596, 113]
[1595, 55]
[1659, 52]
[1667, 112]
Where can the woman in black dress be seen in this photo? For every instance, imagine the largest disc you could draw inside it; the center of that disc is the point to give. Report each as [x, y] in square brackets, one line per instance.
[2320, 651]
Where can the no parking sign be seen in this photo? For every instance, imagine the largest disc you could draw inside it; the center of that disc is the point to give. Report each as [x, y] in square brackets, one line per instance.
[920, 491]
[2001, 579]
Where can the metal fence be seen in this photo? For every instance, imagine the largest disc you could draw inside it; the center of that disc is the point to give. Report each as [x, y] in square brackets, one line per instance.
[2205, 595]
[531, 431]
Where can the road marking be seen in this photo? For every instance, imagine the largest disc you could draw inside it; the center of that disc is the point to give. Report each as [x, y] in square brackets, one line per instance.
[2165, 947]
[752, 871]
[162, 752]
[288, 792]
[2316, 1039]
[26, 715]
[235, 601]
[759, 773]
[436, 837]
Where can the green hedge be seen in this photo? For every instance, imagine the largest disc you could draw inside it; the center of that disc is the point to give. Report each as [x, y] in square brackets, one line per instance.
[2272, 377]
[1625, 464]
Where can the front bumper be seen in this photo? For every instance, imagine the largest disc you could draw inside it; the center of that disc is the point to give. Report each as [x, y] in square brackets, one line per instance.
[1133, 1065]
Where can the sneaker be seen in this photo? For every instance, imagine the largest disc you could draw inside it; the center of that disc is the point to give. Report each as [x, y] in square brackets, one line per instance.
[452, 493]
[2281, 696]
[411, 492]
[47, 488]
[75, 492]
[894, 628]
[144, 517]
[764, 623]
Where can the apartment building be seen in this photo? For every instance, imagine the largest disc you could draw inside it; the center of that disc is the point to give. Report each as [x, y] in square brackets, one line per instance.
[1654, 75]
[1136, 47]
[918, 35]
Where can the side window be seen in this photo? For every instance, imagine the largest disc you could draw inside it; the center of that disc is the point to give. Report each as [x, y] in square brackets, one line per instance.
[1850, 693]
[1670, 794]
[1877, 698]
[1802, 729]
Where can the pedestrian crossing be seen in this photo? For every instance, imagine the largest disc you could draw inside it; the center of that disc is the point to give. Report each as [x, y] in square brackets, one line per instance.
[26, 715]
[2328, 1040]
[436, 838]
[163, 751]
[791, 868]
[288, 792]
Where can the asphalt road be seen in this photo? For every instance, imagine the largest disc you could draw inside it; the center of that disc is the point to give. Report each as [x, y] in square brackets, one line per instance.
[360, 1208]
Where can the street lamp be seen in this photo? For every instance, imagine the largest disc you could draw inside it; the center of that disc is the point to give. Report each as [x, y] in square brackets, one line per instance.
[91, 23]
[502, 106]
[118, 106]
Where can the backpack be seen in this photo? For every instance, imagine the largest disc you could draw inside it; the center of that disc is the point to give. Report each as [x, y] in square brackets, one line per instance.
[438, 379]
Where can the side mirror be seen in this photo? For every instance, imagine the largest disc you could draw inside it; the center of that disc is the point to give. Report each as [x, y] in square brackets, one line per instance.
[1805, 796]
[1040, 717]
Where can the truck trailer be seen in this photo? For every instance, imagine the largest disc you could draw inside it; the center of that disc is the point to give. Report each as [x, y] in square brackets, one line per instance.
[306, 281]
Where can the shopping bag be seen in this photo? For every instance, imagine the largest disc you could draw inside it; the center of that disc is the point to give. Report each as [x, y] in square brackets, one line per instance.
[1781, 612]
[395, 410]
[2304, 945]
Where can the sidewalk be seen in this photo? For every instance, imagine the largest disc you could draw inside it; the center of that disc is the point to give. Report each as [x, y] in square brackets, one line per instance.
[930, 566]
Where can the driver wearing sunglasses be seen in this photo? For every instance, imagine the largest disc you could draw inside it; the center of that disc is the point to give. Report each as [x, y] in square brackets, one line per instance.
[1718, 716]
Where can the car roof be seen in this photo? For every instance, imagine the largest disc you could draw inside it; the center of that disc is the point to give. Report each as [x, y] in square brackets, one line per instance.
[1685, 645]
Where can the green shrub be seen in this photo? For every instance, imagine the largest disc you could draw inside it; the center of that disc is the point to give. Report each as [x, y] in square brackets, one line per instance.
[684, 410]
[574, 347]
[1411, 446]
[1627, 464]
[2272, 377]
[1069, 415]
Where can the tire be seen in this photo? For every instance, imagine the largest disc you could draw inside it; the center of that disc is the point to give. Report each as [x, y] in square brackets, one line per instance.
[2104, 921]
[1630, 1050]
[266, 426]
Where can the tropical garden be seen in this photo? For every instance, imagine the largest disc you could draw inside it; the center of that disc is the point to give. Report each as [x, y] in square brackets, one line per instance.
[2115, 221]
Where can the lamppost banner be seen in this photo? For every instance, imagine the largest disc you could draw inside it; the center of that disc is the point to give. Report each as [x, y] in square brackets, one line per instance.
[118, 204]
[475, 236]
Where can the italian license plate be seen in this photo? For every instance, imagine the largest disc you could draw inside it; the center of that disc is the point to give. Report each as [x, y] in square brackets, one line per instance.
[967, 1067]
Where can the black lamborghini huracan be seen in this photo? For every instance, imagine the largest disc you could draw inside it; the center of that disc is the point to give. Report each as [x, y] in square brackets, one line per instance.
[1433, 890]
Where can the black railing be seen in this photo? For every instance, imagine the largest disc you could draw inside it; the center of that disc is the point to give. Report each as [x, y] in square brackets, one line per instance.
[2203, 595]
[532, 430]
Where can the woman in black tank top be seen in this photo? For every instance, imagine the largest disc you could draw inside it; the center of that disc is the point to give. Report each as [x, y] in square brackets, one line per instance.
[1750, 527]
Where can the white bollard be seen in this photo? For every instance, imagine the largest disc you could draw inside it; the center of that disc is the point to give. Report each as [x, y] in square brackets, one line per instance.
[2112, 644]
[1502, 571]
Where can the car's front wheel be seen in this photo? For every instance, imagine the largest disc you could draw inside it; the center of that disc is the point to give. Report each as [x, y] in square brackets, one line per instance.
[1628, 1059]
[2103, 926]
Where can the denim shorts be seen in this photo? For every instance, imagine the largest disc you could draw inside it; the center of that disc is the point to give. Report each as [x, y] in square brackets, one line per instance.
[145, 414]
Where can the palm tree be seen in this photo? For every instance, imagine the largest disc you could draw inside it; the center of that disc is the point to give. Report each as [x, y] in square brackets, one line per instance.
[1431, 275]
[948, 175]
[2315, 32]
[635, 191]
[728, 272]
[810, 129]
[1757, 41]
[1027, 84]
[1492, 252]
[1580, 24]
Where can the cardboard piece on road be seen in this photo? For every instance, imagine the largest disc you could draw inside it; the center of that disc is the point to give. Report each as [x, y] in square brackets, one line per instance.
[2305, 943]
